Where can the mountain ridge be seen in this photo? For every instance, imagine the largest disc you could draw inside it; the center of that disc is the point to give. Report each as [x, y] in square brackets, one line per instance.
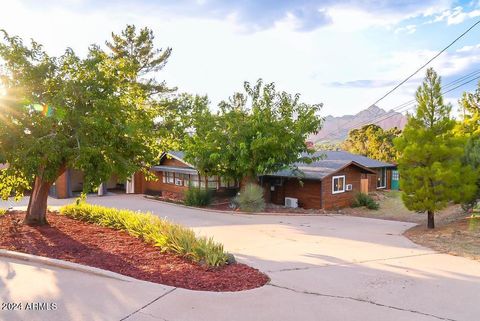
[335, 129]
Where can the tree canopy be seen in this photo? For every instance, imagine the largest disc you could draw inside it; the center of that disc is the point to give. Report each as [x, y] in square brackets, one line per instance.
[430, 165]
[95, 114]
[373, 141]
[469, 129]
[256, 132]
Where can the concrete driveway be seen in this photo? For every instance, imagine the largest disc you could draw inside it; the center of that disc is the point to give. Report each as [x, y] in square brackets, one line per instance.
[321, 268]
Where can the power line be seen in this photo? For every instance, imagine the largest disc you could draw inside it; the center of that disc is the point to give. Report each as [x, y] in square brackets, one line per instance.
[403, 107]
[425, 64]
[411, 107]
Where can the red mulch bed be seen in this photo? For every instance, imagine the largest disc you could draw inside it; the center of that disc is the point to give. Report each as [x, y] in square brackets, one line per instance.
[108, 249]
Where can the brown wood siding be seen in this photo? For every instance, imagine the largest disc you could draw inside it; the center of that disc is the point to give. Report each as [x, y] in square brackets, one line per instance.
[61, 185]
[372, 183]
[333, 201]
[173, 162]
[138, 183]
[308, 194]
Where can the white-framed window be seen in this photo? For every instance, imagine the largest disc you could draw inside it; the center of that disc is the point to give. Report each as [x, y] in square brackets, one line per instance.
[338, 184]
[178, 181]
[203, 182]
[212, 182]
[382, 178]
[169, 177]
[186, 180]
[194, 180]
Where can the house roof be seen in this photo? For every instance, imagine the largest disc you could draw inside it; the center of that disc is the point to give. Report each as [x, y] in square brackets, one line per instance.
[330, 163]
[346, 156]
[321, 170]
[178, 155]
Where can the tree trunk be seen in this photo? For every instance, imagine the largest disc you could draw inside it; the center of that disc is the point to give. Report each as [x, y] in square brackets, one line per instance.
[431, 219]
[37, 206]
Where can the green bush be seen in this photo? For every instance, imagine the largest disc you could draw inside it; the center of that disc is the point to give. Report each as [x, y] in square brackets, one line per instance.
[250, 199]
[362, 199]
[3, 211]
[196, 196]
[167, 236]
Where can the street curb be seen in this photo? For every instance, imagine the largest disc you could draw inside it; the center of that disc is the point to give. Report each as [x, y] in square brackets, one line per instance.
[238, 212]
[65, 265]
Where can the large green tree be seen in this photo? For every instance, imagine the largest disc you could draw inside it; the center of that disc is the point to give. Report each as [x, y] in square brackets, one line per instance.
[256, 132]
[430, 165]
[468, 128]
[373, 141]
[95, 114]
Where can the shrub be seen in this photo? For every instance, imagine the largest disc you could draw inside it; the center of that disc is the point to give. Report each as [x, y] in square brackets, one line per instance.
[196, 196]
[362, 199]
[167, 236]
[251, 199]
[3, 211]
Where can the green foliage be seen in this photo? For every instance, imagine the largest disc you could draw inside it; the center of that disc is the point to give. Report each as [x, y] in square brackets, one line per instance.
[362, 199]
[374, 142]
[324, 146]
[469, 129]
[430, 166]
[197, 196]
[102, 110]
[256, 132]
[251, 199]
[161, 233]
[3, 211]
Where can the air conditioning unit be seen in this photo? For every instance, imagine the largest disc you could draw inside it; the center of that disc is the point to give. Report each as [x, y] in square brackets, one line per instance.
[348, 187]
[291, 202]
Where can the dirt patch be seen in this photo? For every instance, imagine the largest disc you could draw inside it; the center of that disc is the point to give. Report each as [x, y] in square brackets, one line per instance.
[116, 251]
[392, 208]
[459, 237]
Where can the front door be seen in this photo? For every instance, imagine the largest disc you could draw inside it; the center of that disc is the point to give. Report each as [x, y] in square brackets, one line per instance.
[395, 180]
[364, 185]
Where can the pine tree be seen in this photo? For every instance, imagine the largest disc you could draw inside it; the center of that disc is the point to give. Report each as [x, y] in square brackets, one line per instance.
[469, 130]
[430, 162]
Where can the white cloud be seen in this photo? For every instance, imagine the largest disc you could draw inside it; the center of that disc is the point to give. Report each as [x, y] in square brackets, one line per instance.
[409, 29]
[455, 16]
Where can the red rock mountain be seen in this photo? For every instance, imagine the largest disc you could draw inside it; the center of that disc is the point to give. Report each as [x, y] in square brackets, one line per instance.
[335, 129]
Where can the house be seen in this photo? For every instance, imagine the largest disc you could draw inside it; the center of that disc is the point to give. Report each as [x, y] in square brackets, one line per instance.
[174, 176]
[328, 183]
[70, 183]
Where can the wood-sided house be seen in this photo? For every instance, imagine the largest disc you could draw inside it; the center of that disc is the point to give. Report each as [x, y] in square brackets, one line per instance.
[329, 183]
[175, 175]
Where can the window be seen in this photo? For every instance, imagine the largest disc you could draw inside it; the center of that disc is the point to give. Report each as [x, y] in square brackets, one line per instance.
[178, 180]
[186, 180]
[382, 178]
[194, 180]
[212, 182]
[228, 183]
[203, 183]
[338, 184]
[169, 177]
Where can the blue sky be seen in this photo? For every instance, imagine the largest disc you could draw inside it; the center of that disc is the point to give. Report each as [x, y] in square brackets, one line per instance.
[345, 54]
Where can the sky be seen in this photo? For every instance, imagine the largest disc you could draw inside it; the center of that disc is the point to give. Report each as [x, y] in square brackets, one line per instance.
[344, 54]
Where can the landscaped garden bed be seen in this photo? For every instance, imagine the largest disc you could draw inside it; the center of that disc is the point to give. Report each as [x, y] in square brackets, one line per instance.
[118, 251]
